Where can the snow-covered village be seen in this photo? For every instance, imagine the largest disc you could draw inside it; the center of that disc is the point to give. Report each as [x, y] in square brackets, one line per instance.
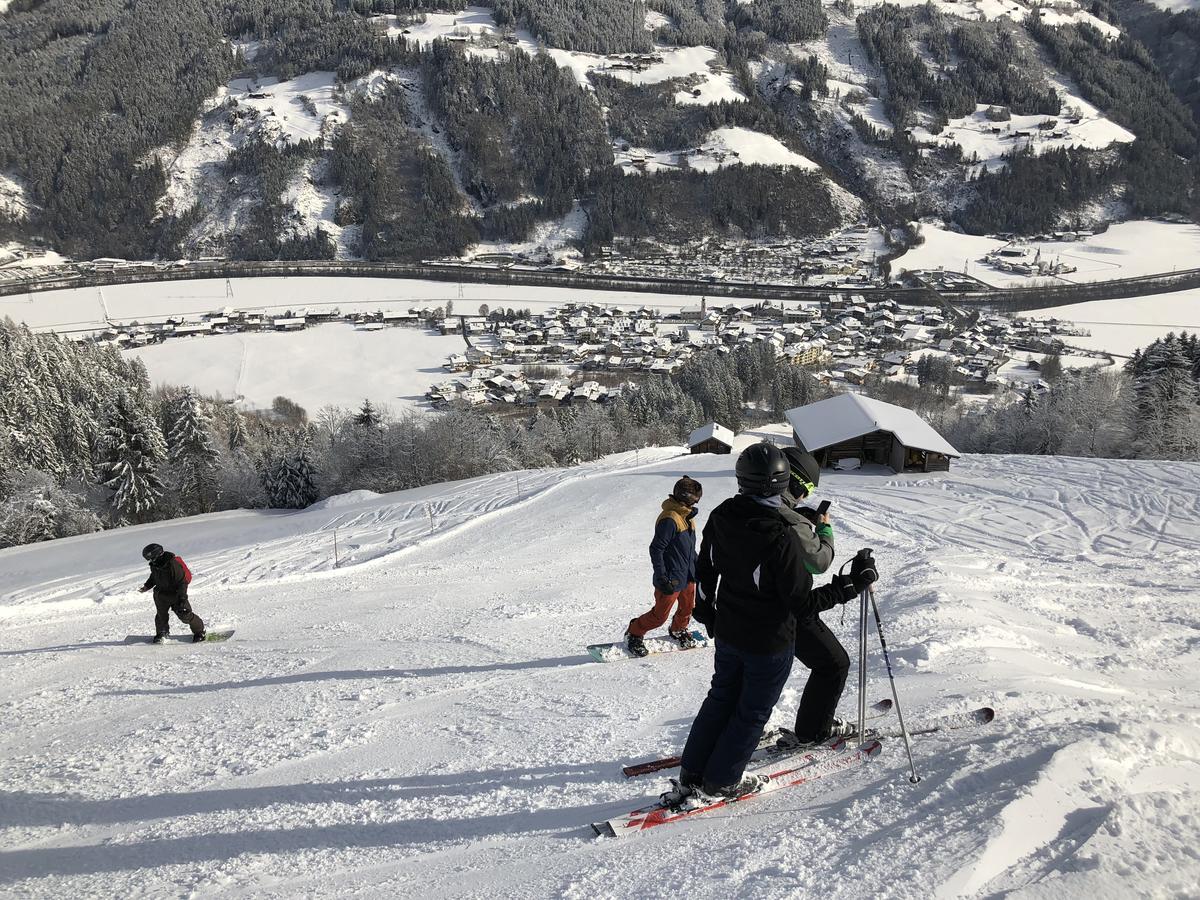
[600, 449]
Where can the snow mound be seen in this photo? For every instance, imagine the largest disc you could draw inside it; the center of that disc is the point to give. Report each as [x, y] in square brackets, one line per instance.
[352, 498]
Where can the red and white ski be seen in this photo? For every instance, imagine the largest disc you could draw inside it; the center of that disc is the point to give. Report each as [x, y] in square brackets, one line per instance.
[784, 774]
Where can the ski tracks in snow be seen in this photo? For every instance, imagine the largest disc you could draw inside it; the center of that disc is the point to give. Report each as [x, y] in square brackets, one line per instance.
[429, 719]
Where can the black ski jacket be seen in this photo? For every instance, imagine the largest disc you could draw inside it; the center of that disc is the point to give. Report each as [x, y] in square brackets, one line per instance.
[751, 566]
[166, 577]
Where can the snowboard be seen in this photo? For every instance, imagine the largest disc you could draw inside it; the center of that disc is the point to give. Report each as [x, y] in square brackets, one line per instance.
[180, 638]
[618, 650]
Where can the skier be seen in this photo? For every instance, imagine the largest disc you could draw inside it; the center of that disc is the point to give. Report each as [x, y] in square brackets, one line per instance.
[169, 580]
[764, 587]
[673, 556]
[816, 646]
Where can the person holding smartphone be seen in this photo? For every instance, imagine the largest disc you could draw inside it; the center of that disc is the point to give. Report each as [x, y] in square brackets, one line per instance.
[817, 647]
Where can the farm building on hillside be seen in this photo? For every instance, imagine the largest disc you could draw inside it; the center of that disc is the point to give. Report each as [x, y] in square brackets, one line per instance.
[852, 427]
[711, 438]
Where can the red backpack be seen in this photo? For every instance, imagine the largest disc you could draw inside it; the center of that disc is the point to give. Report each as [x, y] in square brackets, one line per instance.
[187, 573]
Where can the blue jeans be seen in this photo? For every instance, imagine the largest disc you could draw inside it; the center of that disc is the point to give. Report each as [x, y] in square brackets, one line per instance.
[745, 688]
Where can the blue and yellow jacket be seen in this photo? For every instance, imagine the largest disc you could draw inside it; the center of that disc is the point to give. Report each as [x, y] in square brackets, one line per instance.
[673, 550]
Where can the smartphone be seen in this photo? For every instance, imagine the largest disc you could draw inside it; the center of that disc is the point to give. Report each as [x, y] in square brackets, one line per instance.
[823, 508]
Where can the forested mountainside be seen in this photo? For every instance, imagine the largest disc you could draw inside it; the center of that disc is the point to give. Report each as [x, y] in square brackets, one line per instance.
[410, 129]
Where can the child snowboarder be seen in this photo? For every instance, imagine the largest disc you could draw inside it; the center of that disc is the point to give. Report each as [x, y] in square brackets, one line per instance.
[169, 580]
[673, 556]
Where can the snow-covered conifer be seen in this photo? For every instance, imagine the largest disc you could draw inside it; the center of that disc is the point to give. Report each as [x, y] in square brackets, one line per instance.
[193, 455]
[131, 453]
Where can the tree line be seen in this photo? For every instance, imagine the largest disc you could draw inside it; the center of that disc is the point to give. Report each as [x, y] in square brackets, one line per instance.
[86, 443]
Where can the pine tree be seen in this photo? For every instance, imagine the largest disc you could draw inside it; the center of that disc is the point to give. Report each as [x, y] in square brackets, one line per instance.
[367, 417]
[193, 456]
[132, 451]
[290, 476]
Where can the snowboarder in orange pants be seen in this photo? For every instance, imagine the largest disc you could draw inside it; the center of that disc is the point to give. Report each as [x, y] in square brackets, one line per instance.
[673, 556]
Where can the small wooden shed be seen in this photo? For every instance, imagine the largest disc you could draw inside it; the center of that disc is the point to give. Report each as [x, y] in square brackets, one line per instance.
[711, 438]
[850, 426]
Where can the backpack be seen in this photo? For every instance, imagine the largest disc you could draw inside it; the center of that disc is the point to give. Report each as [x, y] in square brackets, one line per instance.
[187, 573]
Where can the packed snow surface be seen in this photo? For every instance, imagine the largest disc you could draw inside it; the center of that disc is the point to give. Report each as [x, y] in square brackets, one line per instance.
[424, 720]
[392, 367]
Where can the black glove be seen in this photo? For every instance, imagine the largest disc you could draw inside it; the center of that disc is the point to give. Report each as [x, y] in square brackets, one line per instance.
[662, 584]
[844, 584]
[863, 570]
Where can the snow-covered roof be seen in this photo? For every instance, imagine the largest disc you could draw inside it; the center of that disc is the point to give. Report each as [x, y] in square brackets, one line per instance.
[849, 415]
[711, 430]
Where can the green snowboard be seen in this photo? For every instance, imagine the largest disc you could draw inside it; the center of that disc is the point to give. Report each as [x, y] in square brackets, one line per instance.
[181, 638]
[615, 651]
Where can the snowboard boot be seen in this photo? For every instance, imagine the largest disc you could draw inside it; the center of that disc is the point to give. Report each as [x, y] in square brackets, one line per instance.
[684, 638]
[198, 638]
[635, 644]
[750, 784]
[158, 639]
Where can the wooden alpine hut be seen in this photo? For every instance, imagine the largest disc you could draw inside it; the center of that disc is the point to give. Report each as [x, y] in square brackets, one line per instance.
[852, 427]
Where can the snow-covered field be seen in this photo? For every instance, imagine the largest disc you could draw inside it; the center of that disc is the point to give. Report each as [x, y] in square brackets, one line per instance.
[79, 310]
[1125, 250]
[1121, 326]
[341, 365]
[987, 142]
[424, 721]
[729, 146]
[1055, 12]
[1176, 6]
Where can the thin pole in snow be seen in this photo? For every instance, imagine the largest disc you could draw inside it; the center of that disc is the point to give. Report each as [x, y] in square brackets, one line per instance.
[914, 777]
[335, 549]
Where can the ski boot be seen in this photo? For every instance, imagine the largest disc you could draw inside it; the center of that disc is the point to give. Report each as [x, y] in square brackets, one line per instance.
[158, 639]
[199, 638]
[838, 728]
[636, 645]
[750, 784]
[684, 638]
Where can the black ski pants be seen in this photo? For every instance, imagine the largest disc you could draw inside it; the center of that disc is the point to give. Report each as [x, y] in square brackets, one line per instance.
[180, 606]
[744, 689]
[819, 649]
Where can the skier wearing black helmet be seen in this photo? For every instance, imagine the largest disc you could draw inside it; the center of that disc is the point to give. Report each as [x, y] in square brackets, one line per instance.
[169, 579]
[764, 587]
[816, 646]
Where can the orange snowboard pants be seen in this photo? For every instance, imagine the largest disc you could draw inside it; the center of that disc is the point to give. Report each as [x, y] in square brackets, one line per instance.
[648, 621]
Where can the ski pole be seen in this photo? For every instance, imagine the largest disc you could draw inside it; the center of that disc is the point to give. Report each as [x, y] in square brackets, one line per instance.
[862, 666]
[914, 777]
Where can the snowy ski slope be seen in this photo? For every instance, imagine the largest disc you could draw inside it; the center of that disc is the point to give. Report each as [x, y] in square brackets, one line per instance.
[424, 721]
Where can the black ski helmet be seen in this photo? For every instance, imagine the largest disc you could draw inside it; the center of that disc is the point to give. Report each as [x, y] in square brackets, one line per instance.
[762, 470]
[804, 468]
[687, 491]
[151, 552]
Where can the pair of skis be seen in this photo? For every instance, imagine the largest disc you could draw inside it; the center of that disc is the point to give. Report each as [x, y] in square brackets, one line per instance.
[791, 771]
[766, 746]
[784, 767]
